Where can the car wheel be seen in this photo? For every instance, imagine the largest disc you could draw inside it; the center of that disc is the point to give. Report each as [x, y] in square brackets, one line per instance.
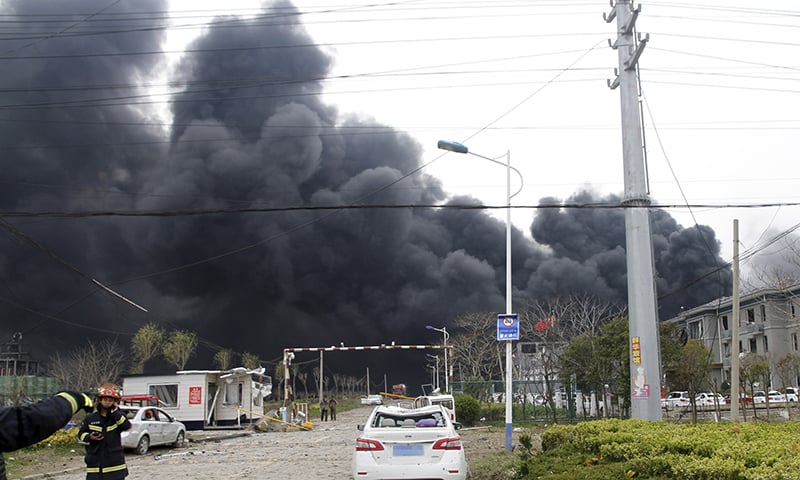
[179, 441]
[144, 445]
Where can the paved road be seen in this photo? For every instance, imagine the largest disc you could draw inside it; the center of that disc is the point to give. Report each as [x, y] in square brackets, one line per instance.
[322, 453]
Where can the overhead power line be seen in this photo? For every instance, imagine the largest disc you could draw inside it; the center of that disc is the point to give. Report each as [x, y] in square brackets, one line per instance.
[237, 210]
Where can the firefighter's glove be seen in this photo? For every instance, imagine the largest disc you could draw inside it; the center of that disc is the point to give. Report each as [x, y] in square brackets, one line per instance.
[78, 401]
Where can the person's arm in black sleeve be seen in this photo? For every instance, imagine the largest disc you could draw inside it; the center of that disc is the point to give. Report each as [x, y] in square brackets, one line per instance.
[121, 420]
[23, 426]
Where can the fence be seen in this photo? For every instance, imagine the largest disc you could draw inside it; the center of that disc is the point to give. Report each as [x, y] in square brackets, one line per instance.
[19, 390]
[531, 401]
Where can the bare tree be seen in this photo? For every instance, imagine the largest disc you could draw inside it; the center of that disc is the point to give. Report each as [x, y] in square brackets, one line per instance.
[180, 347]
[475, 346]
[315, 373]
[752, 369]
[294, 370]
[86, 368]
[778, 264]
[788, 369]
[551, 324]
[279, 377]
[303, 377]
[694, 371]
[146, 344]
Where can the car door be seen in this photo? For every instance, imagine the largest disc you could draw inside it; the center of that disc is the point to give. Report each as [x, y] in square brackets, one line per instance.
[164, 428]
[154, 427]
[169, 428]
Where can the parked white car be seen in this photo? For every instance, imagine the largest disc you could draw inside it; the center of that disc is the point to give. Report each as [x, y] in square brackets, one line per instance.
[371, 400]
[676, 399]
[774, 396]
[790, 393]
[151, 426]
[398, 443]
[705, 399]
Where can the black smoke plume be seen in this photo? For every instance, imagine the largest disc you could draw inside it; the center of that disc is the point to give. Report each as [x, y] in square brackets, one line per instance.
[81, 131]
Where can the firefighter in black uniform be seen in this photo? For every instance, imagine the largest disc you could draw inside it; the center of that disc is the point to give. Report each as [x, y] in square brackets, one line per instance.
[102, 430]
[23, 426]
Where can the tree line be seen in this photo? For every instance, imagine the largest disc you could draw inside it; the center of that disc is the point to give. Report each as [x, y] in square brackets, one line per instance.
[583, 342]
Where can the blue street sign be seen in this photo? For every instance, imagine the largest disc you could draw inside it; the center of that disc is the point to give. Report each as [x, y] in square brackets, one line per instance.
[508, 327]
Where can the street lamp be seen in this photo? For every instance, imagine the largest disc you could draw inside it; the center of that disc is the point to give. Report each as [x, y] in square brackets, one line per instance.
[433, 376]
[447, 373]
[436, 359]
[460, 148]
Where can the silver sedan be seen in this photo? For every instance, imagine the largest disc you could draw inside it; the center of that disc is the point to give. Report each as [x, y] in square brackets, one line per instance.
[151, 426]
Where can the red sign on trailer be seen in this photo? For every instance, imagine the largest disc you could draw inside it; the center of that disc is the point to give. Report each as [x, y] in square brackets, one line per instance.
[195, 395]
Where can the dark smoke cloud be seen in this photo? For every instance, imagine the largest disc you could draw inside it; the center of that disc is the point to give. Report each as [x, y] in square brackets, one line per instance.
[589, 255]
[248, 130]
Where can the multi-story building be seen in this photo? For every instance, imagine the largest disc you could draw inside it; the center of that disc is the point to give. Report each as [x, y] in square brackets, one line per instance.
[768, 325]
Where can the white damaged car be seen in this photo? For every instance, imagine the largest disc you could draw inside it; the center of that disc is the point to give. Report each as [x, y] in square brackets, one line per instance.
[400, 442]
[151, 426]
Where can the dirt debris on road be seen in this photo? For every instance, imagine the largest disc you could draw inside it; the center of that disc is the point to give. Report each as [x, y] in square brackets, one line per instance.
[325, 452]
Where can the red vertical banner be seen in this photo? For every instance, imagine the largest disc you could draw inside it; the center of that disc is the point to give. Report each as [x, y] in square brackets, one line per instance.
[195, 395]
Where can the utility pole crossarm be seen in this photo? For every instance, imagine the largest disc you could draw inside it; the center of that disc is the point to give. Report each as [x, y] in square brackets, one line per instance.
[611, 16]
[625, 38]
[627, 29]
[631, 62]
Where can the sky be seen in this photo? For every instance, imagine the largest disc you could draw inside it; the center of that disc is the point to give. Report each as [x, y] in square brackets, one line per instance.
[122, 107]
[719, 82]
[529, 78]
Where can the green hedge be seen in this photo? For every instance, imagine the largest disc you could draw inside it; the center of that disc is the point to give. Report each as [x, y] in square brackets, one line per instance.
[643, 449]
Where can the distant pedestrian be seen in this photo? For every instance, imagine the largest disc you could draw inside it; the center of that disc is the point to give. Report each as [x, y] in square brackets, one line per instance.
[323, 409]
[332, 407]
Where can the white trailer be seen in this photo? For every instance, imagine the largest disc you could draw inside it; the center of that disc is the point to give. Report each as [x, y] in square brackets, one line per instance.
[206, 398]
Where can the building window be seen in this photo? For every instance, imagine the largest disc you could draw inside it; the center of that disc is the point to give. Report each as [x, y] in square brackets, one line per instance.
[792, 309]
[763, 311]
[724, 322]
[696, 330]
[766, 344]
[726, 349]
[751, 315]
[167, 394]
[794, 342]
[753, 348]
[233, 393]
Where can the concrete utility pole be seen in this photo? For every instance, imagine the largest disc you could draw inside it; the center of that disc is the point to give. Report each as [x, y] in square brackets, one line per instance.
[735, 327]
[645, 353]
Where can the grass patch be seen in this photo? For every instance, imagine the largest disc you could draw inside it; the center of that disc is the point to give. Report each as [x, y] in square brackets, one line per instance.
[40, 458]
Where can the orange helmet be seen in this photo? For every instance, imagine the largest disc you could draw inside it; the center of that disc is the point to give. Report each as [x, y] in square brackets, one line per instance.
[108, 390]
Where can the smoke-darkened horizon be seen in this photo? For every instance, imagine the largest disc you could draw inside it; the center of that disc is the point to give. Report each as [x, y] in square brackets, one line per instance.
[250, 128]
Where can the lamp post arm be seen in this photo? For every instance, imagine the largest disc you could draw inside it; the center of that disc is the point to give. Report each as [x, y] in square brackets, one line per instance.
[505, 165]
